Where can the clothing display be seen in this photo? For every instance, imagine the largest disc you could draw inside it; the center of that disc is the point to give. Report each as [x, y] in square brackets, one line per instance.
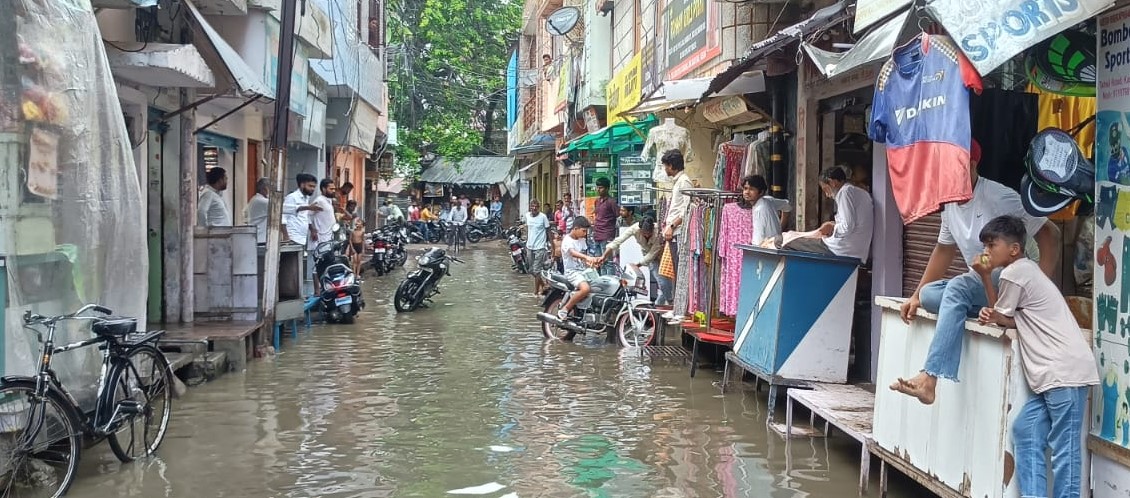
[1004, 124]
[729, 165]
[757, 158]
[921, 111]
[663, 138]
[1067, 113]
[736, 228]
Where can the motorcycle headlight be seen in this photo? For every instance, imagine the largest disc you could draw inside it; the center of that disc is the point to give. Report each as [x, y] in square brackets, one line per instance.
[424, 260]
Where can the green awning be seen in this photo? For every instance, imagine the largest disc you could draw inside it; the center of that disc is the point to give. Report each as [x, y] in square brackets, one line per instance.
[613, 139]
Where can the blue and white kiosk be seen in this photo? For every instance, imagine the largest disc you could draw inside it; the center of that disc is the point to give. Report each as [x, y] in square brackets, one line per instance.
[794, 318]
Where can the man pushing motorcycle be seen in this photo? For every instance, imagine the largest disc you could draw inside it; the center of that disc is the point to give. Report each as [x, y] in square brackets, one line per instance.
[644, 233]
[578, 265]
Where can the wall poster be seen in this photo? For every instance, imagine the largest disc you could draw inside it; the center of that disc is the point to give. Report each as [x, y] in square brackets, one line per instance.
[1111, 408]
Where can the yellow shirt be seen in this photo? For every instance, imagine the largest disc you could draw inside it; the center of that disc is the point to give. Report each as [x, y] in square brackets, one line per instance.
[426, 215]
[1065, 113]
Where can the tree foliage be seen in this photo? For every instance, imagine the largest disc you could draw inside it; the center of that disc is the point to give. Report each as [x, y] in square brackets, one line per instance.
[447, 74]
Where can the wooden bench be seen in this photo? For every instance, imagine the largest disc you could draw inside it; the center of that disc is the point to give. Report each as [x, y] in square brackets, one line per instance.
[290, 311]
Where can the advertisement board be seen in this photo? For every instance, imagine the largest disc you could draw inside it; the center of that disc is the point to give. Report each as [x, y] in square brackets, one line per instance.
[1111, 409]
[692, 33]
[623, 90]
[993, 31]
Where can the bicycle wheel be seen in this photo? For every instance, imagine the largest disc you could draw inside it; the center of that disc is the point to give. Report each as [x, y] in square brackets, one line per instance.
[40, 442]
[142, 403]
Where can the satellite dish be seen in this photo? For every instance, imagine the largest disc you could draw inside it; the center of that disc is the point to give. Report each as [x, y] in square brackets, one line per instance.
[562, 21]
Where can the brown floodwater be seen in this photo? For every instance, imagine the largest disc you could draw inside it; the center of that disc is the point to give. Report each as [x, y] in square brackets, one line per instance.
[467, 396]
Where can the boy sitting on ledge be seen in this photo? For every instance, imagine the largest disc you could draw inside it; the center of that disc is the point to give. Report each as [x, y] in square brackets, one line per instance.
[1058, 363]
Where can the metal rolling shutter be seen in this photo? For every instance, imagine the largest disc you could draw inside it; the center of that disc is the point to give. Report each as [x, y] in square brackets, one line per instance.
[919, 239]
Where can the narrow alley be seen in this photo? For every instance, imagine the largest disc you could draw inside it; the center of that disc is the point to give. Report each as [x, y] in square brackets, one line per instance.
[467, 394]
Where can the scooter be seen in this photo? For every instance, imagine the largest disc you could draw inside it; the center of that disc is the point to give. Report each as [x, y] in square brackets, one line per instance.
[423, 283]
[341, 291]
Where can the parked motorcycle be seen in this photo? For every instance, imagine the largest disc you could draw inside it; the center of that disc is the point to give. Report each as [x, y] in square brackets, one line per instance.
[517, 252]
[423, 283]
[341, 291]
[387, 244]
[613, 304]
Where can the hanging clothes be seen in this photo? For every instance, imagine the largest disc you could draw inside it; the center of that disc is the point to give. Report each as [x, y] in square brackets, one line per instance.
[736, 228]
[1004, 123]
[757, 157]
[735, 160]
[921, 111]
[1066, 113]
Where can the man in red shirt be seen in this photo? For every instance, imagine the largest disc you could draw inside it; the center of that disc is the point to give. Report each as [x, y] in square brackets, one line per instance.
[604, 227]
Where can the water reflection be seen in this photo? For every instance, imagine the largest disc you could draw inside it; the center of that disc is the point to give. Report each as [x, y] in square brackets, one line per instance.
[467, 396]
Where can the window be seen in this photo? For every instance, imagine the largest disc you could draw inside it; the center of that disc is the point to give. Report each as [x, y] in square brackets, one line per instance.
[376, 23]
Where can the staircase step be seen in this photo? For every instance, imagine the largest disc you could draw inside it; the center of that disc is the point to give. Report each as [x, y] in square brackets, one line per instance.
[178, 361]
[209, 365]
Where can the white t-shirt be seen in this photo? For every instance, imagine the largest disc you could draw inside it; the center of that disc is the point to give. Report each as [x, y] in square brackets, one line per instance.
[482, 213]
[323, 220]
[855, 217]
[962, 223]
[211, 211]
[535, 231]
[297, 223]
[256, 215]
[766, 222]
[571, 263]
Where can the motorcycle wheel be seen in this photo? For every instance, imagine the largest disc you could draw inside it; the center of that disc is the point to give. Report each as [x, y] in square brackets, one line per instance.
[401, 258]
[348, 319]
[435, 236]
[403, 301]
[552, 332]
[629, 336]
[473, 236]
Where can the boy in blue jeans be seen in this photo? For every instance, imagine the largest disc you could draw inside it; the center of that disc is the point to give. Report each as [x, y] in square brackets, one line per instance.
[1057, 360]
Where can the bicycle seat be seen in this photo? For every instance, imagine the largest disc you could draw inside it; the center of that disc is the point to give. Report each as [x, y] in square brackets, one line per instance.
[115, 327]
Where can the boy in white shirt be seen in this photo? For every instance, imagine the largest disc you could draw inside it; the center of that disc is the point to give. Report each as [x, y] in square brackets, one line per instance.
[577, 263]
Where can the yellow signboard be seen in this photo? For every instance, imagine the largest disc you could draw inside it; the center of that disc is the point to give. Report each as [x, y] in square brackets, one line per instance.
[623, 90]
[564, 85]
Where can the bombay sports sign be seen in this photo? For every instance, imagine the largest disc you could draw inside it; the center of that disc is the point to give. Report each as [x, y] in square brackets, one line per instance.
[692, 35]
[991, 32]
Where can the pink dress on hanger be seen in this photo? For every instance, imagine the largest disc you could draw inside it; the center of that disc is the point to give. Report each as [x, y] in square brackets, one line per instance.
[736, 228]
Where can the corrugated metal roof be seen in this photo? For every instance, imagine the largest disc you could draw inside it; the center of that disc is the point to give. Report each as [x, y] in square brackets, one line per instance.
[472, 170]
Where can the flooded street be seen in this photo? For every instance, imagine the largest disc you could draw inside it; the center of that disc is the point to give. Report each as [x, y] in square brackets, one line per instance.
[467, 394]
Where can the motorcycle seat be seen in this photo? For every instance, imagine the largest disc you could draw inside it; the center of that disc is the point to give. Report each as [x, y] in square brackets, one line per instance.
[562, 279]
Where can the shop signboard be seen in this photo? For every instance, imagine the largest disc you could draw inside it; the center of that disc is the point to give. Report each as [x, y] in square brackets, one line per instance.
[650, 79]
[563, 85]
[868, 12]
[1110, 413]
[727, 108]
[692, 35]
[592, 120]
[623, 90]
[635, 180]
[993, 31]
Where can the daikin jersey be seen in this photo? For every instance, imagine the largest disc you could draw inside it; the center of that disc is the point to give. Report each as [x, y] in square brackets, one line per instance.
[921, 111]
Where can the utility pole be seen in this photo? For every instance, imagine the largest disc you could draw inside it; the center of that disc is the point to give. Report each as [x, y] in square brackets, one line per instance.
[277, 166]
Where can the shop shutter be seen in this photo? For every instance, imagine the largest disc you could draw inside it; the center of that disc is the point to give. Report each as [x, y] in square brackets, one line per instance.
[919, 239]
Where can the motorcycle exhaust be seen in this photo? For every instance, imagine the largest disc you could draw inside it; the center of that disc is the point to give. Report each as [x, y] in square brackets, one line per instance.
[557, 322]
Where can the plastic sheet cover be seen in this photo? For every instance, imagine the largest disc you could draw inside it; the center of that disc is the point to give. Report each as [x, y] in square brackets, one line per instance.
[72, 226]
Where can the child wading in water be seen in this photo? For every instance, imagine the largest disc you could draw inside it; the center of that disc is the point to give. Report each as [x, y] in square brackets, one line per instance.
[1057, 360]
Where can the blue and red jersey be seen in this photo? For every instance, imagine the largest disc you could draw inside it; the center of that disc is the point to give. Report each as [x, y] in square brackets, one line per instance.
[921, 111]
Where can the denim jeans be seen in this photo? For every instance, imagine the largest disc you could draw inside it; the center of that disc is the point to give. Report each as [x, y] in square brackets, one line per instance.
[953, 301]
[424, 230]
[666, 285]
[1051, 419]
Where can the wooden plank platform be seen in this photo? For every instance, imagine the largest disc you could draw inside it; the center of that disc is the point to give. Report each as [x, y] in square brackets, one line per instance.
[846, 407]
[237, 339]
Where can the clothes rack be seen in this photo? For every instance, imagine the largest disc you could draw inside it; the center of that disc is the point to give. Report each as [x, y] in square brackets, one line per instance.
[715, 199]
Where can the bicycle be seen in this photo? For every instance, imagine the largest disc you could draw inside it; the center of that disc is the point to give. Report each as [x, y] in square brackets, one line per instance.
[455, 236]
[42, 427]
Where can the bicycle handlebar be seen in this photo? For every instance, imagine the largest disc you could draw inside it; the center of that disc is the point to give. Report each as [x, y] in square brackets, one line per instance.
[33, 318]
